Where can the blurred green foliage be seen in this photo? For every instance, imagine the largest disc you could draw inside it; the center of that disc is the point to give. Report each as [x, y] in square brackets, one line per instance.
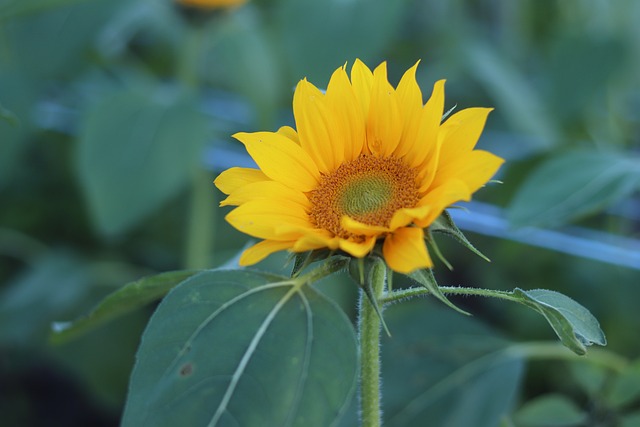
[103, 129]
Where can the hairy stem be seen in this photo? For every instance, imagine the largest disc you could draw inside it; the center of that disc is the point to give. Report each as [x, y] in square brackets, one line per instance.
[369, 330]
[402, 294]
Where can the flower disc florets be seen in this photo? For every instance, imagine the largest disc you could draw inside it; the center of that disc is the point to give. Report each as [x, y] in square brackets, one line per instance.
[369, 189]
[368, 163]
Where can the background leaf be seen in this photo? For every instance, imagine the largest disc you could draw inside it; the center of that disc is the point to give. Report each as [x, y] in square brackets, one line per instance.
[126, 299]
[335, 31]
[626, 387]
[552, 410]
[55, 286]
[243, 348]
[575, 184]
[452, 371]
[136, 151]
[570, 88]
[54, 39]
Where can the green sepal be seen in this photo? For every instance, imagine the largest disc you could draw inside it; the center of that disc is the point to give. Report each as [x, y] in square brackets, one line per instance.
[575, 325]
[128, 298]
[361, 271]
[426, 278]
[432, 242]
[444, 224]
[303, 260]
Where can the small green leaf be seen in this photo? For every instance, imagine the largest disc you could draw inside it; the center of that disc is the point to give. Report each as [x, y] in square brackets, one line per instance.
[572, 185]
[575, 325]
[126, 299]
[236, 347]
[426, 278]
[444, 224]
[552, 410]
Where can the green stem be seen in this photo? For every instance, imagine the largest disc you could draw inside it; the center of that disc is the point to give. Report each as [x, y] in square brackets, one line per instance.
[369, 330]
[201, 226]
[202, 209]
[401, 294]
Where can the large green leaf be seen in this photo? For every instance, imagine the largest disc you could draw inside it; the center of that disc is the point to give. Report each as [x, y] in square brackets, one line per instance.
[230, 347]
[574, 184]
[126, 299]
[575, 325]
[443, 369]
[137, 149]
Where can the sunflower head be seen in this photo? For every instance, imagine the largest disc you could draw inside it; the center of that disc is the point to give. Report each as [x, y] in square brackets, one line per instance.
[368, 168]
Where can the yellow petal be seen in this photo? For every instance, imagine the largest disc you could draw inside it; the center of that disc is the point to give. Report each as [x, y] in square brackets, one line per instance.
[410, 103]
[290, 133]
[234, 178]
[342, 100]
[362, 80]
[356, 227]
[405, 250]
[317, 130]
[461, 132]
[384, 123]
[358, 250]
[281, 159]
[316, 239]
[405, 216]
[262, 218]
[474, 168]
[261, 250]
[427, 136]
[272, 190]
[438, 199]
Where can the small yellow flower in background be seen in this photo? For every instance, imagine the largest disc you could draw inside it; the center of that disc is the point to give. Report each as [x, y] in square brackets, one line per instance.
[211, 4]
[368, 163]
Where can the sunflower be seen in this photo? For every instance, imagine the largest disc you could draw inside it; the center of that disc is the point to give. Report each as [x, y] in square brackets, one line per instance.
[368, 164]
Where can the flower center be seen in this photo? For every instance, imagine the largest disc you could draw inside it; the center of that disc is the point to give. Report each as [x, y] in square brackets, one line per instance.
[368, 189]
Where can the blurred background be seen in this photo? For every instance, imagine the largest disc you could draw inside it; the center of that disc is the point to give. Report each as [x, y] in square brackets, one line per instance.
[116, 115]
